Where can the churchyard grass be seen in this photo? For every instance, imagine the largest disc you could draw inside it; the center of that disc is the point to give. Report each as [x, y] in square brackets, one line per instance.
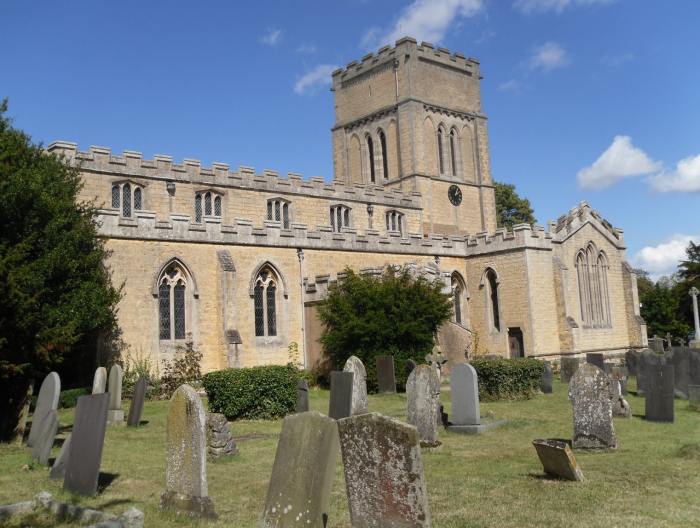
[474, 481]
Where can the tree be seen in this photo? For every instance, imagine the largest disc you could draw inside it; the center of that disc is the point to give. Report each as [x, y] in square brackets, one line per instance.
[510, 208]
[395, 314]
[644, 283]
[56, 296]
[689, 275]
[659, 309]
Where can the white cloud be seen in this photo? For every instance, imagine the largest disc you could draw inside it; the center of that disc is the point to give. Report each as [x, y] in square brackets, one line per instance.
[510, 86]
[548, 56]
[663, 258]
[541, 6]
[620, 160]
[273, 36]
[685, 179]
[486, 35]
[424, 20]
[616, 60]
[306, 48]
[315, 79]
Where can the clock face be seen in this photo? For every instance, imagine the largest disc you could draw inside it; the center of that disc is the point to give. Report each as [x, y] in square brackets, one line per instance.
[454, 193]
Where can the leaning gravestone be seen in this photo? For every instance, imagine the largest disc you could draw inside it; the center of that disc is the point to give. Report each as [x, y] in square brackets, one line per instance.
[137, 401]
[569, 365]
[645, 362]
[659, 405]
[591, 394]
[299, 493]
[557, 459]
[596, 359]
[302, 396]
[186, 469]
[383, 473]
[45, 403]
[423, 408]
[385, 374]
[621, 409]
[340, 405]
[116, 415]
[359, 385]
[99, 381]
[410, 365]
[42, 447]
[87, 440]
[547, 378]
[58, 470]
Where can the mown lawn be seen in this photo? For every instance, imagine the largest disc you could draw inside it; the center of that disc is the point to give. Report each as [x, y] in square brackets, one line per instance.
[475, 481]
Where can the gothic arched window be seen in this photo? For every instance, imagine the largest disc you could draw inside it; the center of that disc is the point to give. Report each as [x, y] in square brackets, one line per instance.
[394, 221]
[265, 303]
[453, 147]
[370, 151]
[441, 153]
[171, 304]
[492, 299]
[278, 211]
[340, 217]
[594, 296]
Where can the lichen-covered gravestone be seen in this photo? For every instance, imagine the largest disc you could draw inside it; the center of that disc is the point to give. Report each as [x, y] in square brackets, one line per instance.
[557, 459]
[386, 379]
[383, 473]
[359, 385]
[221, 443]
[569, 365]
[137, 401]
[99, 381]
[299, 493]
[340, 405]
[591, 394]
[621, 408]
[186, 471]
[116, 415]
[423, 394]
[42, 447]
[302, 396]
[547, 378]
[46, 402]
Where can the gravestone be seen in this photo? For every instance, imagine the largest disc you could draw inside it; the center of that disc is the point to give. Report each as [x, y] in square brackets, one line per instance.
[694, 397]
[657, 344]
[569, 365]
[410, 365]
[621, 408]
[340, 405]
[645, 361]
[383, 472]
[464, 393]
[299, 493]
[99, 381]
[42, 447]
[436, 360]
[624, 372]
[695, 343]
[668, 341]
[359, 385]
[302, 396]
[659, 405]
[596, 359]
[557, 459]
[116, 415]
[137, 401]
[46, 402]
[631, 357]
[591, 394]
[219, 439]
[186, 459]
[58, 470]
[607, 367]
[423, 407]
[686, 362]
[385, 374]
[547, 378]
[87, 440]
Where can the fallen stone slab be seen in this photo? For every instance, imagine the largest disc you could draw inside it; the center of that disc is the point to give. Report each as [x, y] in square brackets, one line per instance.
[557, 459]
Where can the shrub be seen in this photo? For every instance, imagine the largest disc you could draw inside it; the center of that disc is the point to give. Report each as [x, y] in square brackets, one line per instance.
[138, 366]
[67, 399]
[265, 392]
[508, 378]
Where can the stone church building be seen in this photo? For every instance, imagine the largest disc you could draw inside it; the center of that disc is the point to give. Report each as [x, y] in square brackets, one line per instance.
[240, 258]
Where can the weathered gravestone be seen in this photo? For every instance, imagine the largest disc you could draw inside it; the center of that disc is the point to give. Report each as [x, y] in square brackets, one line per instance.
[557, 459]
[686, 362]
[42, 447]
[423, 408]
[464, 393]
[116, 415]
[657, 344]
[383, 473]
[591, 394]
[694, 397]
[137, 401]
[596, 359]
[340, 405]
[221, 443]
[547, 378]
[385, 374]
[186, 471]
[46, 402]
[659, 405]
[99, 381]
[621, 408]
[607, 367]
[569, 365]
[58, 470]
[302, 396]
[359, 385]
[646, 361]
[87, 440]
[625, 373]
[631, 357]
[410, 365]
[299, 493]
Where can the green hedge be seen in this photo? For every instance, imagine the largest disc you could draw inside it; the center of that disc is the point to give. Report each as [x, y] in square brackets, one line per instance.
[66, 400]
[508, 378]
[266, 392]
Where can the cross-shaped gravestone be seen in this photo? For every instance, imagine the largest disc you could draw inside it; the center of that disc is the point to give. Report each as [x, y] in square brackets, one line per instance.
[681, 342]
[436, 360]
[694, 294]
[668, 339]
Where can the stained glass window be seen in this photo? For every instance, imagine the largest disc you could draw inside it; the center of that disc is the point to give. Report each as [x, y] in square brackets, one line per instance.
[370, 149]
[172, 304]
[126, 200]
[137, 199]
[198, 208]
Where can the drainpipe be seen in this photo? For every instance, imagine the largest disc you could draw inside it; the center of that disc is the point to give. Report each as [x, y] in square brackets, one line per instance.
[300, 254]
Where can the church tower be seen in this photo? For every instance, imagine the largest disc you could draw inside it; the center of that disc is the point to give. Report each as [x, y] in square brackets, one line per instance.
[410, 118]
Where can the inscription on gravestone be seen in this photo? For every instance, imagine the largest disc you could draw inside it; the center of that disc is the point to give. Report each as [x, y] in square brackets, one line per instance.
[659, 405]
[340, 405]
[385, 374]
[46, 402]
[359, 385]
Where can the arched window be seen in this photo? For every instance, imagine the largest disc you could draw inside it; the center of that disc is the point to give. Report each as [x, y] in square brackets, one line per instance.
[171, 304]
[394, 221]
[278, 211]
[206, 204]
[492, 299]
[265, 303]
[370, 151]
[127, 198]
[441, 154]
[385, 159]
[453, 146]
[594, 296]
[459, 298]
[340, 217]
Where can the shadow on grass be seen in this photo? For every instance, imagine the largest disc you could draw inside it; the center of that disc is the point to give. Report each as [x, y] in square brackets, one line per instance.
[104, 480]
[546, 476]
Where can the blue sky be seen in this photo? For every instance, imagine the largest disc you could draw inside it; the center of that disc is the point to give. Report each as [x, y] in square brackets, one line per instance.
[591, 100]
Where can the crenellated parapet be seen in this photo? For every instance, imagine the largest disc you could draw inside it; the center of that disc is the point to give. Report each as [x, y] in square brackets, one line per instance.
[132, 165]
[566, 225]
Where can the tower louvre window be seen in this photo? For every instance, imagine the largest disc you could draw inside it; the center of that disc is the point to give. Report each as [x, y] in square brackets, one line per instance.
[370, 150]
[453, 157]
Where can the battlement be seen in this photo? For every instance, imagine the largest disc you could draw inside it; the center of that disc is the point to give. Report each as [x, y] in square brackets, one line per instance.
[578, 216]
[131, 164]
